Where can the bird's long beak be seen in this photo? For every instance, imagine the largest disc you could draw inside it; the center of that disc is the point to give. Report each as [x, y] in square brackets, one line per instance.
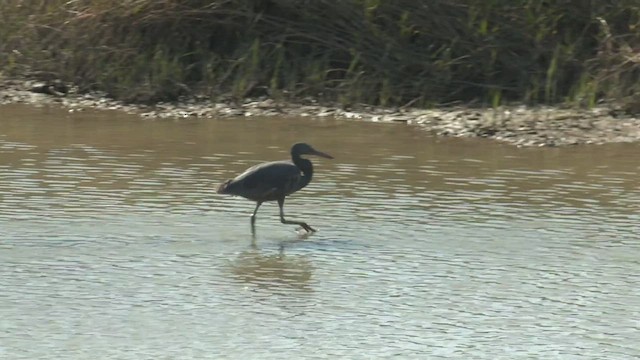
[321, 154]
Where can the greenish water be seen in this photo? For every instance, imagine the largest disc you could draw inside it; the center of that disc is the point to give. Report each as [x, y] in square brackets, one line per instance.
[113, 243]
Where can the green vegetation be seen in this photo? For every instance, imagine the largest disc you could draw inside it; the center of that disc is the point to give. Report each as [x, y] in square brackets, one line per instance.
[401, 52]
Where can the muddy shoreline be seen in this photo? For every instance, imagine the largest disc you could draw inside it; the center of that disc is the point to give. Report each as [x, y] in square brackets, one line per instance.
[516, 125]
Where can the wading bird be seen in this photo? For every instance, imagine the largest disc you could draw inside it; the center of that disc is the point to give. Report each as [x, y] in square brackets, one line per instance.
[273, 181]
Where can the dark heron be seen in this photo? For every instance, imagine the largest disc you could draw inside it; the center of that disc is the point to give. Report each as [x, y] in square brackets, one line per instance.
[273, 181]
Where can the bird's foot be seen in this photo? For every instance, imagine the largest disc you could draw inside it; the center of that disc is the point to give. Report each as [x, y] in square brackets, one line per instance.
[306, 228]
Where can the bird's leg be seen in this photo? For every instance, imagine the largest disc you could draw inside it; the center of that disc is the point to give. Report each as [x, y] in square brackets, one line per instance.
[255, 211]
[284, 221]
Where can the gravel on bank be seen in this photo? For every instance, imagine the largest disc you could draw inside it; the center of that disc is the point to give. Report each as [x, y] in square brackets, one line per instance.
[517, 125]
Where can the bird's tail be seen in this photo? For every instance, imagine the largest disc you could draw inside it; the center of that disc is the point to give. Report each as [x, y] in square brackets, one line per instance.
[222, 188]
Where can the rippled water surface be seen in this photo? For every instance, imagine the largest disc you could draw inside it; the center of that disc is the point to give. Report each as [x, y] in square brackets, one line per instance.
[114, 244]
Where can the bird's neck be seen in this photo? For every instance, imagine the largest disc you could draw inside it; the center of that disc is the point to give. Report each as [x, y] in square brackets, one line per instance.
[307, 170]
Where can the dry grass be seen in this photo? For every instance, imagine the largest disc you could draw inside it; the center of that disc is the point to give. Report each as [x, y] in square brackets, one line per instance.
[355, 51]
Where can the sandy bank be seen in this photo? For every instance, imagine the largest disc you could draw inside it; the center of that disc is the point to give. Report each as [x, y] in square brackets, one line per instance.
[517, 125]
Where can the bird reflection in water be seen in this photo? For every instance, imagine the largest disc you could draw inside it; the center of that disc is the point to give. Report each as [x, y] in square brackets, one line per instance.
[273, 181]
[273, 270]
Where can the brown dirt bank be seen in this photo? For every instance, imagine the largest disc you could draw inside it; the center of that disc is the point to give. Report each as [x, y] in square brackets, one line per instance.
[517, 125]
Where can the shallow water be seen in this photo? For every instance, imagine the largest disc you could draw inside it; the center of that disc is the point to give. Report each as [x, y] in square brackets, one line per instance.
[113, 243]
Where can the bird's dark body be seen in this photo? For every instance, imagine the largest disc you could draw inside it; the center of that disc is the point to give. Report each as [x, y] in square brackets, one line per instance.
[274, 181]
[265, 182]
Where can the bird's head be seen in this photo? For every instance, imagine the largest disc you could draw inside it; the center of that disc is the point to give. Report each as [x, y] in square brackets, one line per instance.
[306, 149]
